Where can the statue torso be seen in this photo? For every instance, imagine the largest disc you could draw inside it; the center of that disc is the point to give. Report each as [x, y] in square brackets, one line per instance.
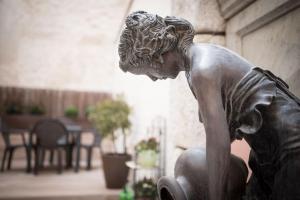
[231, 70]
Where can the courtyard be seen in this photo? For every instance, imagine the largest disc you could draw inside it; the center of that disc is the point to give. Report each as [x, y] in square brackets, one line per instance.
[60, 81]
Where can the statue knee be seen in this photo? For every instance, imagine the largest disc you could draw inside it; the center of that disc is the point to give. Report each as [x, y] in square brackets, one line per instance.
[237, 178]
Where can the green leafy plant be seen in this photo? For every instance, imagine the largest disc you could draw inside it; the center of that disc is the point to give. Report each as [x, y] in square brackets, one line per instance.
[150, 144]
[71, 112]
[14, 108]
[147, 152]
[145, 188]
[36, 110]
[126, 194]
[88, 110]
[110, 115]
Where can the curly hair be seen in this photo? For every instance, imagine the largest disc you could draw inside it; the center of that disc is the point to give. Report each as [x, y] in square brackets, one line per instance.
[147, 36]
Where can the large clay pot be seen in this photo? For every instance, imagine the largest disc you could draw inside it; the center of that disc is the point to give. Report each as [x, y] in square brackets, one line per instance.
[190, 181]
[115, 169]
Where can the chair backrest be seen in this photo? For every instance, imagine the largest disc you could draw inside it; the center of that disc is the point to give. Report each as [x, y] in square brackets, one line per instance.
[4, 132]
[49, 133]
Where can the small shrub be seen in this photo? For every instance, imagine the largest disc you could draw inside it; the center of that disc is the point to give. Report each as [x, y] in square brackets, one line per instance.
[14, 109]
[110, 115]
[89, 110]
[36, 110]
[71, 112]
[150, 144]
[145, 188]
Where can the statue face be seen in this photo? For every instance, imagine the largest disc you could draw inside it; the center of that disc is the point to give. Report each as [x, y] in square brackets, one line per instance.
[152, 73]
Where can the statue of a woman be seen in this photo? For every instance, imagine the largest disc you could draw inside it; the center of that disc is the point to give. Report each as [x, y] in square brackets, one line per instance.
[236, 100]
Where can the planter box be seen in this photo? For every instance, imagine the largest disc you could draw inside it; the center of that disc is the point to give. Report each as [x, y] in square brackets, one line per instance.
[21, 121]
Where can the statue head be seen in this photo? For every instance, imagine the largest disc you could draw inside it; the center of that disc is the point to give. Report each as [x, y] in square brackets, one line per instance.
[147, 37]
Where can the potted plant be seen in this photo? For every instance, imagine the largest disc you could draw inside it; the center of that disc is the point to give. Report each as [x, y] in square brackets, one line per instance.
[109, 116]
[22, 117]
[36, 110]
[71, 112]
[147, 153]
[145, 189]
[14, 109]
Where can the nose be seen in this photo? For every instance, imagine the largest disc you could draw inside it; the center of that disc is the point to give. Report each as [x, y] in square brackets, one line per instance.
[152, 77]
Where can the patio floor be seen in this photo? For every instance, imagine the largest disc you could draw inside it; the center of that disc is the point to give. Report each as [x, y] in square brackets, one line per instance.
[48, 185]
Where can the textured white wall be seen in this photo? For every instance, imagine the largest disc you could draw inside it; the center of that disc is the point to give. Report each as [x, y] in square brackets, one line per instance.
[59, 44]
[72, 44]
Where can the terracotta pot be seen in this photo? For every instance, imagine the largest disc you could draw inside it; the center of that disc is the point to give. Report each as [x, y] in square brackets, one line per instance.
[115, 169]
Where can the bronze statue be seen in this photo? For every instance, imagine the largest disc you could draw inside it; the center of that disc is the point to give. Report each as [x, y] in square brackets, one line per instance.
[236, 100]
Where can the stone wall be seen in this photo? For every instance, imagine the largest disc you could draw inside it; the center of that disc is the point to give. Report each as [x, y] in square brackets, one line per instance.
[59, 44]
[267, 33]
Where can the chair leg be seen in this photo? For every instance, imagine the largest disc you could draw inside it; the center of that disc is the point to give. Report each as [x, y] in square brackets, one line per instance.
[3, 159]
[42, 160]
[36, 164]
[89, 157]
[51, 157]
[28, 156]
[59, 161]
[10, 156]
[69, 156]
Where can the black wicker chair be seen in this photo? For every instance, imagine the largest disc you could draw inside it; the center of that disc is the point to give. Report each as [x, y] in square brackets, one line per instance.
[52, 135]
[10, 148]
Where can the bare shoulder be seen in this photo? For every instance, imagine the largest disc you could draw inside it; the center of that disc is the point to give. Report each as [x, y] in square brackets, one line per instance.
[205, 63]
[216, 64]
[205, 74]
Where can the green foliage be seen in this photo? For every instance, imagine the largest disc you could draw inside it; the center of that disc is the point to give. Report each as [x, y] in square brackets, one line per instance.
[150, 144]
[71, 112]
[110, 115]
[145, 188]
[126, 194]
[88, 110]
[14, 108]
[36, 110]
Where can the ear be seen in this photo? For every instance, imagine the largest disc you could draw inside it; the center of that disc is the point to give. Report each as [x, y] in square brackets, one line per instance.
[158, 59]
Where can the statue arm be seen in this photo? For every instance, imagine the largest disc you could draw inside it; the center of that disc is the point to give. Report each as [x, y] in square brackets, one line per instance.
[208, 94]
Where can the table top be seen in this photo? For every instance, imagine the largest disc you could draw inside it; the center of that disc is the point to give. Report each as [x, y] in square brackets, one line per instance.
[74, 128]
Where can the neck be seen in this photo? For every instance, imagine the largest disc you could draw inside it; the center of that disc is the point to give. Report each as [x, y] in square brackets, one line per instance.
[186, 58]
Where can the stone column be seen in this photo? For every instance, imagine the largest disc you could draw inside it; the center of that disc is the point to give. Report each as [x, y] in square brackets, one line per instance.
[184, 128]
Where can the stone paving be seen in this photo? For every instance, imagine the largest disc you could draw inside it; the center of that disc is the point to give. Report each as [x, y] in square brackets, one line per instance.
[48, 185]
